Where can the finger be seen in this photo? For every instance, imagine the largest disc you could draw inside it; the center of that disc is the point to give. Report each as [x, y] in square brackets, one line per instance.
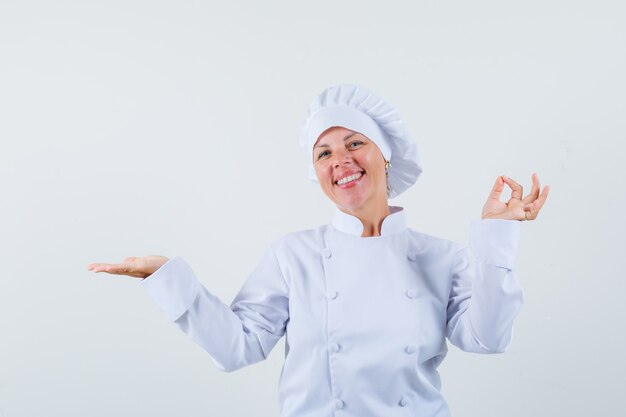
[96, 267]
[534, 191]
[536, 205]
[516, 189]
[530, 211]
[116, 269]
[496, 191]
[120, 269]
[542, 198]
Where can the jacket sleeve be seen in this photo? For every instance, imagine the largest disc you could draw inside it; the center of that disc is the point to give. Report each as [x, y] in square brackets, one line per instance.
[485, 295]
[234, 336]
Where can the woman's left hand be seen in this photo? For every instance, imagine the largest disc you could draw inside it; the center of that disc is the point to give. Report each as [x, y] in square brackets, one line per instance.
[517, 208]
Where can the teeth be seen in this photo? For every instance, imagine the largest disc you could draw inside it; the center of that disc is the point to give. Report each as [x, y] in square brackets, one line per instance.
[350, 178]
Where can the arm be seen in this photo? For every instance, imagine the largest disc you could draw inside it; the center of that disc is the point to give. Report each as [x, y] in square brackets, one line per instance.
[485, 295]
[234, 336]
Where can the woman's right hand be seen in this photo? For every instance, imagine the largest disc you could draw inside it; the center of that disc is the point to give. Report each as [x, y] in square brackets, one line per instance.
[132, 266]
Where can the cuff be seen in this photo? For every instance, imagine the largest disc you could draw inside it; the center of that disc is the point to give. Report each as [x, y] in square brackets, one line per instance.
[173, 287]
[495, 241]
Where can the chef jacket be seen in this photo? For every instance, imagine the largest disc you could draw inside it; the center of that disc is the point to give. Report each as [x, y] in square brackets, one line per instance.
[365, 319]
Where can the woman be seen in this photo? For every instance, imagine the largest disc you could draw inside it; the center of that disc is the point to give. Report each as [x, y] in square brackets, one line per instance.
[365, 302]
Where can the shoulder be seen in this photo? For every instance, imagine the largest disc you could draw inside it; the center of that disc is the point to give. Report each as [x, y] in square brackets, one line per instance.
[434, 244]
[300, 242]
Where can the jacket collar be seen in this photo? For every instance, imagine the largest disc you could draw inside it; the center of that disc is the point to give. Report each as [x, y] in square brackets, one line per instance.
[395, 222]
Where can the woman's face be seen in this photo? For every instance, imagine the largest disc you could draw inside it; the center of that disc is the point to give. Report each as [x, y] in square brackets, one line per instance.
[341, 154]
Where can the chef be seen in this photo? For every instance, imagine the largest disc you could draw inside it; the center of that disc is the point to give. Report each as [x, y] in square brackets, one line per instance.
[365, 303]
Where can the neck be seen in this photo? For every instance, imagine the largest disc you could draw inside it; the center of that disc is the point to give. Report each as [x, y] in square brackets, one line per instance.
[371, 216]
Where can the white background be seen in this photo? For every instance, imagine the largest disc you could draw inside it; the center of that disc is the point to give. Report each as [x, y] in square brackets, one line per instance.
[131, 128]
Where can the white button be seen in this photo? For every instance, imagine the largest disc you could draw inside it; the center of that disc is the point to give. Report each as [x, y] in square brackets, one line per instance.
[326, 252]
[403, 401]
[335, 347]
[338, 404]
[410, 349]
[411, 293]
[331, 295]
[412, 256]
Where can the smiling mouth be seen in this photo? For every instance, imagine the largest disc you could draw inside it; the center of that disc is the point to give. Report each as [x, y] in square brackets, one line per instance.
[350, 178]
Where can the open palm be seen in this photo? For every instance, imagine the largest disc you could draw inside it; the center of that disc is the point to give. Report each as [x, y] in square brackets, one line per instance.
[132, 266]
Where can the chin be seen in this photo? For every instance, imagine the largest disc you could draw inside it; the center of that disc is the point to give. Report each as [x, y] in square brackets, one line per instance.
[351, 203]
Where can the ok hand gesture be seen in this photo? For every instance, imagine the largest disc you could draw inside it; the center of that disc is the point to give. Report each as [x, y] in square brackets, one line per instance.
[517, 208]
[132, 266]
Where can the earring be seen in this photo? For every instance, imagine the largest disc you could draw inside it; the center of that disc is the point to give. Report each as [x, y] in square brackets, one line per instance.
[387, 164]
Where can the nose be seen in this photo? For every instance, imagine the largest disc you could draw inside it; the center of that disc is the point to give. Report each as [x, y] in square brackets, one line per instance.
[341, 158]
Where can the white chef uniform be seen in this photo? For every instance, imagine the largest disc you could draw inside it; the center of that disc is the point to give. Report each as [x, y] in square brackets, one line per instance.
[365, 319]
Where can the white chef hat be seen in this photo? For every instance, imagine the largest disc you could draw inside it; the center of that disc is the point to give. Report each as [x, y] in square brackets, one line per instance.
[358, 109]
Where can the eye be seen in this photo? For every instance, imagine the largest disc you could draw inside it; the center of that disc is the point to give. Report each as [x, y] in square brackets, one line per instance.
[357, 142]
[321, 154]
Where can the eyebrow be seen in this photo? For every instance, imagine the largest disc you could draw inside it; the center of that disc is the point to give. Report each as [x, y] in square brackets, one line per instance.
[344, 139]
